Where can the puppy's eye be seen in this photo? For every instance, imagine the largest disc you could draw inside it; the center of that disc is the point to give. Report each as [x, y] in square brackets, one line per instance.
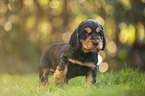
[88, 29]
[98, 29]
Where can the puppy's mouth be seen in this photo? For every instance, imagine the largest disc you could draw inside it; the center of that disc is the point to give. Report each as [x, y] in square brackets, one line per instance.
[89, 45]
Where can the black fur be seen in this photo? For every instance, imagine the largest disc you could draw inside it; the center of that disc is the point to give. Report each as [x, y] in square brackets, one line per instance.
[58, 54]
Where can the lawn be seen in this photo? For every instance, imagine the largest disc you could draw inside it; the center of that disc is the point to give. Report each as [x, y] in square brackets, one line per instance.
[123, 83]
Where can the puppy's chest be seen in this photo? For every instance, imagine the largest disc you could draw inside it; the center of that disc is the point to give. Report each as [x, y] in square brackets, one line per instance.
[88, 62]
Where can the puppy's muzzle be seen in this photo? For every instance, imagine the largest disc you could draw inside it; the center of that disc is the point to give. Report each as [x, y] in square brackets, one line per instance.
[90, 45]
[95, 43]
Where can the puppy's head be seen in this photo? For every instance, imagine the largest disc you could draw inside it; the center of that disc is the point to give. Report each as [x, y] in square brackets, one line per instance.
[89, 37]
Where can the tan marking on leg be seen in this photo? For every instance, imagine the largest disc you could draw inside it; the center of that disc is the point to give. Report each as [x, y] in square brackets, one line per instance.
[45, 77]
[89, 78]
[59, 76]
[52, 70]
[45, 71]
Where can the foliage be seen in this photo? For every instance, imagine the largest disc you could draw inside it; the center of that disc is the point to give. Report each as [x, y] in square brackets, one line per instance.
[123, 83]
[27, 27]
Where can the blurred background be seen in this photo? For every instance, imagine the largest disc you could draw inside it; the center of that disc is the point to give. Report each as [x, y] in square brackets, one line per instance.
[27, 27]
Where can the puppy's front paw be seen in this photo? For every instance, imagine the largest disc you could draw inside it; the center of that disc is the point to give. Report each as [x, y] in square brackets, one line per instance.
[59, 76]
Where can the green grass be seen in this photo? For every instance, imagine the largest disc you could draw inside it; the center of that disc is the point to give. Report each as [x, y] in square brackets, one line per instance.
[130, 83]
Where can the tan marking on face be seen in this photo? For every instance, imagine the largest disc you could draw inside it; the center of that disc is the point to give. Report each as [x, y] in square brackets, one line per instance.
[59, 76]
[87, 64]
[88, 29]
[100, 45]
[89, 78]
[87, 44]
[97, 29]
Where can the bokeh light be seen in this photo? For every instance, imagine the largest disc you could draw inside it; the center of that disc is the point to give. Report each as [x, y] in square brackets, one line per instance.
[100, 59]
[109, 9]
[43, 3]
[103, 55]
[103, 67]
[66, 36]
[123, 36]
[127, 34]
[54, 4]
[140, 31]
[126, 4]
[100, 20]
[44, 29]
[8, 26]
[13, 18]
[143, 1]
[30, 22]
[3, 7]
[79, 18]
[112, 48]
[131, 34]
[28, 2]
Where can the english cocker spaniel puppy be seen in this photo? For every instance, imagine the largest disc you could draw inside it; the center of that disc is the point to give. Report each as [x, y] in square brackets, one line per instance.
[78, 57]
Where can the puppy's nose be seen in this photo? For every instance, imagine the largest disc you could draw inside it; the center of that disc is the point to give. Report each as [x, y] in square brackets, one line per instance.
[95, 43]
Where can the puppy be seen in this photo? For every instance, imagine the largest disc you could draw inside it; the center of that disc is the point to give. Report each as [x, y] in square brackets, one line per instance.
[79, 57]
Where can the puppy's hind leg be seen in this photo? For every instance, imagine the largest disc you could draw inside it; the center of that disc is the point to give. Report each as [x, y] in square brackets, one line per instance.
[43, 76]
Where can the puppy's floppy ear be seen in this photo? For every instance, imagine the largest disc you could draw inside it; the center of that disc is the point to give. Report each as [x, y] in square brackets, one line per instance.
[74, 42]
[104, 40]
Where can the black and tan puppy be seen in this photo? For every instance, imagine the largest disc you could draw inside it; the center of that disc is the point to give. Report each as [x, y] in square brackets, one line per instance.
[79, 57]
